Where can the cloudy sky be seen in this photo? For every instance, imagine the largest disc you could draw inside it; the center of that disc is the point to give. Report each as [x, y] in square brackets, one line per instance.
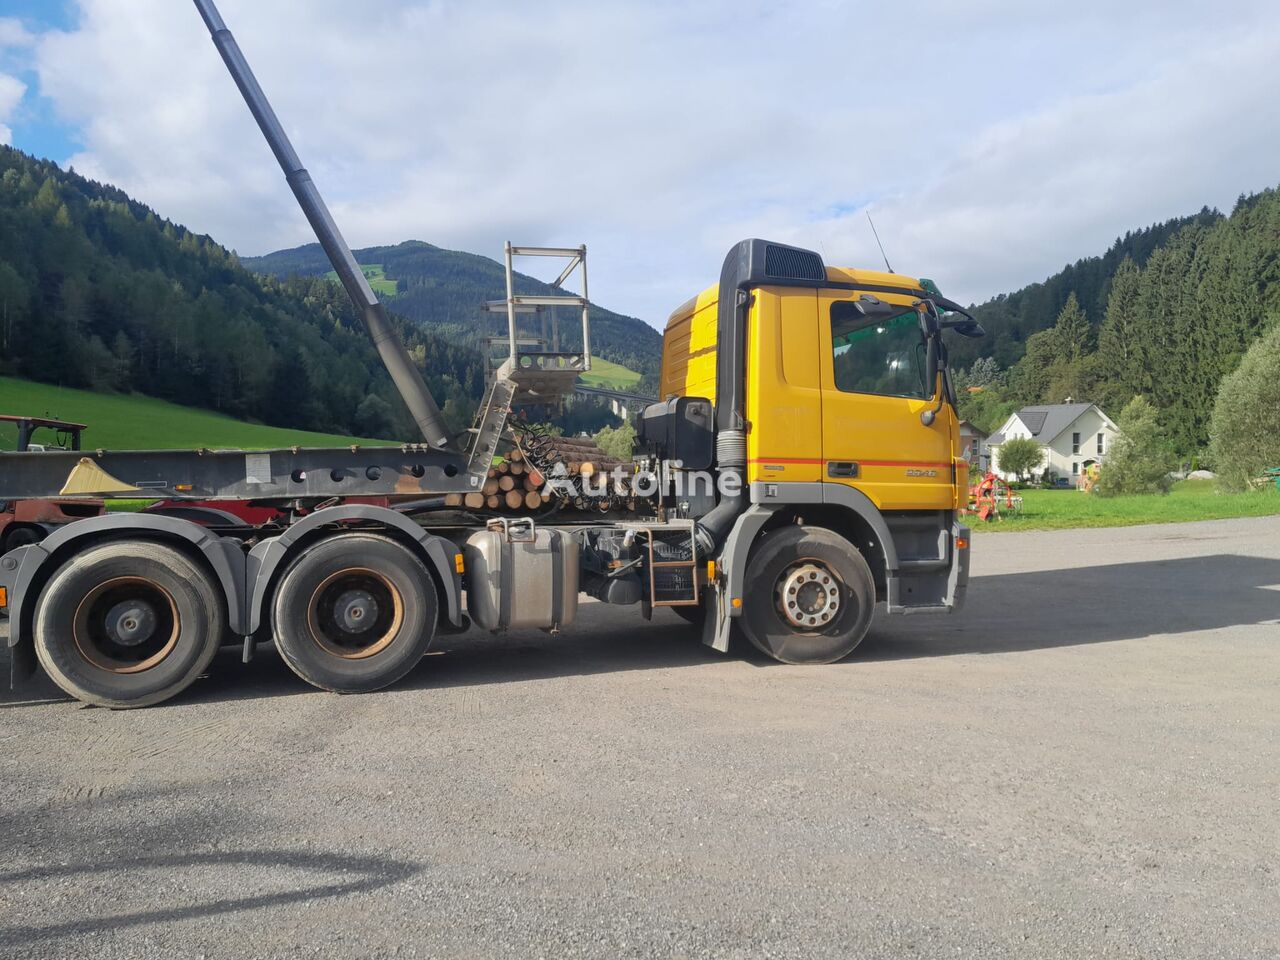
[993, 141]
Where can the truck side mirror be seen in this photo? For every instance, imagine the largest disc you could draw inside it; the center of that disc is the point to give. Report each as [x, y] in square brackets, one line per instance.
[968, 328]
[932, 365]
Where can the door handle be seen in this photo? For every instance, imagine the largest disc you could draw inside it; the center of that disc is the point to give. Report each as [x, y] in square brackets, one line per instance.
[842, 469]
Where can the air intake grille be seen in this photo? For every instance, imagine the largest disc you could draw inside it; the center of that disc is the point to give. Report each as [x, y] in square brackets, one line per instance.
[788, 263]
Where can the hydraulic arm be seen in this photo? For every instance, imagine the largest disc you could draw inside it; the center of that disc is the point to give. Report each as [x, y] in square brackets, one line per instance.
[390, 348]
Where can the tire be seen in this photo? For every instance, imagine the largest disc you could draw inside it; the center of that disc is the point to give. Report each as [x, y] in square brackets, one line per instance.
[21, 536]
[332, 590]
[825, 583]
[128, 624]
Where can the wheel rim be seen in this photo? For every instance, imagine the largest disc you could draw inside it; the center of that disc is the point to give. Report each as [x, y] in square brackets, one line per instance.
[355, 613]
[807, 594]
[126, 625]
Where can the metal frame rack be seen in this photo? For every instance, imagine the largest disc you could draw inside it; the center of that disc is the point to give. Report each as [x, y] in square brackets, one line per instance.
[542, 375]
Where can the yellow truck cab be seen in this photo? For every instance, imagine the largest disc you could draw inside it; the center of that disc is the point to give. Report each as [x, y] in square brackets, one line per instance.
[833, 407]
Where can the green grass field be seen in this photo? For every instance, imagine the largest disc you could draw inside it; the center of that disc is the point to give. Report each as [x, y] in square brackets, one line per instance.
[131, 422]
[609, 375]
[376, 276]
[1189, 500]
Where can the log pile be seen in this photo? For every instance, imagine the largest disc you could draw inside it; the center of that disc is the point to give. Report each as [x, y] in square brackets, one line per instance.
[513, 486]
[517, 484]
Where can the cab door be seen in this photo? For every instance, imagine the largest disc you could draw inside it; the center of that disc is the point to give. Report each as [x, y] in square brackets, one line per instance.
[873, 392]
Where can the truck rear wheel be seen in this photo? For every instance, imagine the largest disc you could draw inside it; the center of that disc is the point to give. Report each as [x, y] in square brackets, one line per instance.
[809, 596]
[128, 624]
[355, 612]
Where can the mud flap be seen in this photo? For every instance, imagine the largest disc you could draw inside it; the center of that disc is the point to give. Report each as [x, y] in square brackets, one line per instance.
[717, 624]
[959, 577]
[22, 664]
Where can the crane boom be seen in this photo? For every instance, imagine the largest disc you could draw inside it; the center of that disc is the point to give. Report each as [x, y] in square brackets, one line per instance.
[404, 374]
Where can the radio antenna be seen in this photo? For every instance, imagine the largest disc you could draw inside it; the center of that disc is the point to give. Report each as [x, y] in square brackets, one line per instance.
[875, 234]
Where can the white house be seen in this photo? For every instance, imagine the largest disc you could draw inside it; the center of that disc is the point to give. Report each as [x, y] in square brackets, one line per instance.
[1073, 435]
[973, 445]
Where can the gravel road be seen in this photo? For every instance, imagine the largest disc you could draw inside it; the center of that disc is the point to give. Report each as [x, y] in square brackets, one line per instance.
[1085, 763]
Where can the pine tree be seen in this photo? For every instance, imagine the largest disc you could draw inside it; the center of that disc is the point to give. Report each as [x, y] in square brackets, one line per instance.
[1073, 337]
[1122, 347]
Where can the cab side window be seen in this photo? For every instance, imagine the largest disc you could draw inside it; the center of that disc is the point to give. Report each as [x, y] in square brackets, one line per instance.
[884, 357]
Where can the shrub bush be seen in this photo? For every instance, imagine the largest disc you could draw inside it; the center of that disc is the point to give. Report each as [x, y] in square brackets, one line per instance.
[1245, 429]
[1019, 456]
[1141, 457]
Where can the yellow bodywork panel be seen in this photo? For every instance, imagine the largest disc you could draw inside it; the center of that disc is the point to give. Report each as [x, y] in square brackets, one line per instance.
[783, 397]
[689, 348]
[869, 280]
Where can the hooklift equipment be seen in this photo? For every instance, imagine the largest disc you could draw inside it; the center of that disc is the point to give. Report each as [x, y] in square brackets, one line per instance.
[802, 466]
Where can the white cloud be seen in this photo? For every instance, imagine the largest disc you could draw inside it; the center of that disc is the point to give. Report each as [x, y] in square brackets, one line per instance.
[11, 92]
[1030, 194]
[14, 34]
[994, 142]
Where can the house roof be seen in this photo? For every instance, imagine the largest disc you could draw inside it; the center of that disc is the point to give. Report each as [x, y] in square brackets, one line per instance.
[1047, 421]
[973, 428]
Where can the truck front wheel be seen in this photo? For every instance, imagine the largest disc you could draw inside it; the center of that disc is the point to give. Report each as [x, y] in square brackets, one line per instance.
[809, 596]
[128, 624]
[354, 613]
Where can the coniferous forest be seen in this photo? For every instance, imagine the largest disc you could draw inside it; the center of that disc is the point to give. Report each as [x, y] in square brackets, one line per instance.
[1166, 313]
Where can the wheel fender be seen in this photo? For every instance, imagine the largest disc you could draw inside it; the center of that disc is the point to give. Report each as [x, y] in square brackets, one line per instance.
[737, 547]
[24, 570]
[733, 566]
[836, 495]
[857, 502]
[268, 558]
[774, 495]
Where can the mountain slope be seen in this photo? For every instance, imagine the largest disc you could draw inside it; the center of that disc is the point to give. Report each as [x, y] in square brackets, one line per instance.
[1013, 317]
[444, 290]
[97, 291]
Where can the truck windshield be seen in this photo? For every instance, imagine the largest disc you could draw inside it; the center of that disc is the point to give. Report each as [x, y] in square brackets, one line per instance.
[884, 357]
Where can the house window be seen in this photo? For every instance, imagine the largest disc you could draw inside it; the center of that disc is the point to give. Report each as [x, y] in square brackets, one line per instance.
[1075, 443]
[1099, 444]
[1075, 469]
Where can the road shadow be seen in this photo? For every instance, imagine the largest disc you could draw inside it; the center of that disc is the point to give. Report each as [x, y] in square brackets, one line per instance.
[1086, 605]
[355, 875]
[610, 641]
[1004, 613]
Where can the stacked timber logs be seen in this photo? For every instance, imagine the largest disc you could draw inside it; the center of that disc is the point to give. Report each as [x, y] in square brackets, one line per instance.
[519, 484]
[512, 486]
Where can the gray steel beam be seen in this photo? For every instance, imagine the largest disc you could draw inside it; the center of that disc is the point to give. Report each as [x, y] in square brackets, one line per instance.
[537, 300]
[546, 251]
[409, 470]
